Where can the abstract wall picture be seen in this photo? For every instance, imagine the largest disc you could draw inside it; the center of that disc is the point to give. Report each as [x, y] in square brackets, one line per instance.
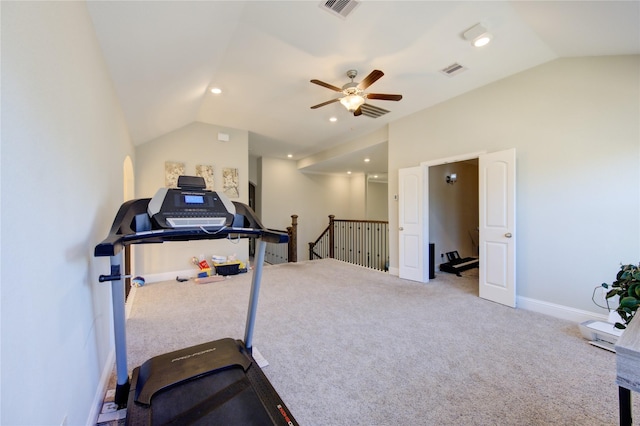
[207, 173]
[172, 171]
[230, 182]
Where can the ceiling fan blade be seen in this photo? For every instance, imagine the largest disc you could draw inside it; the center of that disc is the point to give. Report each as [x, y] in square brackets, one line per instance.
[325, 103]
[384, 97]
[327, 85]
[357, 112]
[370, 79]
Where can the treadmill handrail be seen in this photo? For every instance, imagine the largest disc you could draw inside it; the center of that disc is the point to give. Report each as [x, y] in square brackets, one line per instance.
[122, 234]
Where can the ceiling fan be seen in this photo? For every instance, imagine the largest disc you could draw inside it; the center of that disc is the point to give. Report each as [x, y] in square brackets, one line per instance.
[354, 96]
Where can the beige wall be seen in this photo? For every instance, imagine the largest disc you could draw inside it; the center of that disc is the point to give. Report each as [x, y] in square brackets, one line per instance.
[357, 196]
[313, 197]
[575, 126]
[64, 145]
[377, 201]
[196, 143]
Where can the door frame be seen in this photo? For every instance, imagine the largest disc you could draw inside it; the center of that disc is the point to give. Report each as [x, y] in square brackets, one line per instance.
[438, 162]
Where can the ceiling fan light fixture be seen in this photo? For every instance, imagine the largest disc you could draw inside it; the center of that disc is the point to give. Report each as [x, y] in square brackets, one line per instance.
[352, 102]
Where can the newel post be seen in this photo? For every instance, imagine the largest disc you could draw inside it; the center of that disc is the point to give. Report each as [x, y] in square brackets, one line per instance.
[293, 239]
[331, 237]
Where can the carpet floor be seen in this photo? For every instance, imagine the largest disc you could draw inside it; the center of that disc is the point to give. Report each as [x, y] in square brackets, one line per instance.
[352, 346]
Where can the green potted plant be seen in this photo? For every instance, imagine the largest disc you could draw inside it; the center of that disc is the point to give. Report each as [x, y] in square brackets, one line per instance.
[627, 287]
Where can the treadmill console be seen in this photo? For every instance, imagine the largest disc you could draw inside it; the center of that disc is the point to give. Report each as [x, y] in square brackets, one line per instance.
[190, 205]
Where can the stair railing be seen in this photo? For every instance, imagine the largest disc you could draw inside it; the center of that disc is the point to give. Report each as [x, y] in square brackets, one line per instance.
[361, 242]
[283, 253]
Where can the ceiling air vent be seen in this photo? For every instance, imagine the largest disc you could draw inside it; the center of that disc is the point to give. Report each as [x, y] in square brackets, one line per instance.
[453, 69]
[372, 111]
[339, 8]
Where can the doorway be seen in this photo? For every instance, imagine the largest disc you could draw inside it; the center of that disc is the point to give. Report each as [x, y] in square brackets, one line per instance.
[453, 209]
[496, 224]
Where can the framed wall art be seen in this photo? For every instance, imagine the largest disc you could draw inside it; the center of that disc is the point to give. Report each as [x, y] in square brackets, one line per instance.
[230, 184]
[172, 170]
[206, 172]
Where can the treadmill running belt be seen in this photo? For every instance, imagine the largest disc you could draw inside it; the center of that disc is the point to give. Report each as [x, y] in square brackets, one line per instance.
[203, 402]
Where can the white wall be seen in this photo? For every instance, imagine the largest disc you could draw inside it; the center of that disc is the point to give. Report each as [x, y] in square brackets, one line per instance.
[575, 125]
[64, 142]
[196, 143]
[313, 197]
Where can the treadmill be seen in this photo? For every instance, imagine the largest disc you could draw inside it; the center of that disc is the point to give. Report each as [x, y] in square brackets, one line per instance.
[213, 383]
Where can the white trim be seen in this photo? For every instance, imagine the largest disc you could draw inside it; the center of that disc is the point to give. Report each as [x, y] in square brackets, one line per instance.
[558, 311]
[552, 309]
[169, 276]
[454, 159]
[98, 398]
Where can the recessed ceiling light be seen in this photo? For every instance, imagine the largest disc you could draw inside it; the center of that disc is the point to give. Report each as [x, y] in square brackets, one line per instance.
[366, 160]
[216, 91]
[349, 172]
[333, 119]
[289, 155]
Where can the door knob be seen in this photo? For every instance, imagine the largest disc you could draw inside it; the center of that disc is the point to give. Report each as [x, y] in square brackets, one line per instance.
[508, 235]
[401, 228]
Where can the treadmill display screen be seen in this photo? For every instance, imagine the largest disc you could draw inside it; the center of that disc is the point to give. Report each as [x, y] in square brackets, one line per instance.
[194, 199]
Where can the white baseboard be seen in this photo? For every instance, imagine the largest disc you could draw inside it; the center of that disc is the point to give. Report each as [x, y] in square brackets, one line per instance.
[547, 308]
[98, 398]
[558, 311]
[169, 276]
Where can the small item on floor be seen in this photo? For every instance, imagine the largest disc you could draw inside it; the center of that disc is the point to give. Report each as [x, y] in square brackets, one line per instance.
[137, 282]
[181, 279]
[229, 268]
[257, 356]
[205, 269]
[210, 279]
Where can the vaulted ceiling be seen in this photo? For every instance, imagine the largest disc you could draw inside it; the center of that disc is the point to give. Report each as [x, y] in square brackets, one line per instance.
[164, 56]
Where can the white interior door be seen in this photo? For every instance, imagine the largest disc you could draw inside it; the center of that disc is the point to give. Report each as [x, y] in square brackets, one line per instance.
[412, 220]
[497, 175]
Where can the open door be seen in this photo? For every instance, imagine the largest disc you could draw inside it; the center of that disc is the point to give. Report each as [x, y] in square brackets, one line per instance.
[412, 220]
[497, 175]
